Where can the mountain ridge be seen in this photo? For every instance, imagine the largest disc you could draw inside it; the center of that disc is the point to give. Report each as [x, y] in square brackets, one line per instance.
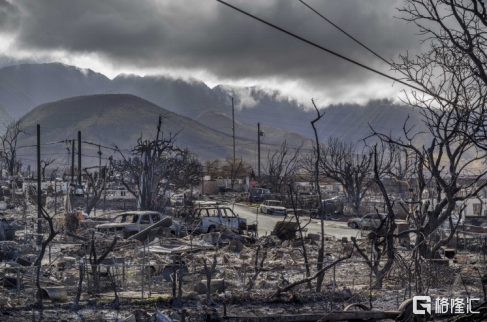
[26, 86]
[119, 120]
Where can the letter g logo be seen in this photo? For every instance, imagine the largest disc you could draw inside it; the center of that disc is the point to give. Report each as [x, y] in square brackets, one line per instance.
[426, 305]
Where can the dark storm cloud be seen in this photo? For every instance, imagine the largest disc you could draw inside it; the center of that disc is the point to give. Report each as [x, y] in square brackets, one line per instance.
[9, 17]
[206, 35]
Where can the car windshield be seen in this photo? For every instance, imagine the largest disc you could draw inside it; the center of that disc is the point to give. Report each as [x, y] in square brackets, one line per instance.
[126, 218]
[274, 203]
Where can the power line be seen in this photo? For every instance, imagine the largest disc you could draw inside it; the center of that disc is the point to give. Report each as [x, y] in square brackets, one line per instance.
[35, 145]
[343, 31]
[94, 156]
[99, 145]
[332, 52]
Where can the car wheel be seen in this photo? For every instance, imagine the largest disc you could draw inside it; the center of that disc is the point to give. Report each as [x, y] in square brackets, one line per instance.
[211, 229]
[269, 211]
[353, 225]
[313, 214]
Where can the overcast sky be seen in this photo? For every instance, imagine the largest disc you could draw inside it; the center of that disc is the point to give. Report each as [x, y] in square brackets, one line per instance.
[207, 40]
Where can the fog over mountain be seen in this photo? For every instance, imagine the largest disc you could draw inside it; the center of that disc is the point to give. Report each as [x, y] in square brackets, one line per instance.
[23, 87]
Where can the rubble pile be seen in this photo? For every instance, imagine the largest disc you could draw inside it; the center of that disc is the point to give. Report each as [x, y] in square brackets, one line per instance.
[166, 278]
[71, 222]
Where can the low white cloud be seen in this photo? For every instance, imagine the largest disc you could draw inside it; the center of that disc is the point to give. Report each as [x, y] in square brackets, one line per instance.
[205, 40]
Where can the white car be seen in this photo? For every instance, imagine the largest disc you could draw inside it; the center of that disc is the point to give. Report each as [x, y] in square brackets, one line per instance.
[272, 207]
[371, 220]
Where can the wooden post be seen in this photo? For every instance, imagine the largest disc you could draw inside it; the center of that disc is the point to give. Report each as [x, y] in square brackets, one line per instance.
[334, 282]
[174, 277]
[18, 280]
[456, 244]
[244, 275]
[224, 300]
[143, 271]
[485, 245]
[39, 190]
[180, 283]
[233, 132]
[79, 157]
[55, 197]
[149, 270]
[370, 280]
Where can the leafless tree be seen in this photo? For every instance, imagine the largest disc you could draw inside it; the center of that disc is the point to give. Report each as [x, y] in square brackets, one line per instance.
[281, 167]
[316, 177]
[188, 171]
[52, 177]
[44, 165]
[258, 269]
[212, 168]
[342, 162]
[44, 244]
[97, 183]
[381, 239]
[234, 170]
[452, 76]
[402, 171]
[9, 144]
[150, 162]
[209, 271]
[95, 260]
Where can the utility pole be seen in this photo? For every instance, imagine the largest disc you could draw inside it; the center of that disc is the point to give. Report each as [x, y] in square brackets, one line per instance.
[142, 176]
[233, 130]
[55, 197]
[105, 187]
[79, 158]
[259, 134]
[39, 190]
[232, 175]
[99, 176]
[72, 162]
[71, 189]
[99, 157]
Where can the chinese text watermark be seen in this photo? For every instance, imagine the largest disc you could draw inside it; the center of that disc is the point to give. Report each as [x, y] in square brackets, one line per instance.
[423, 304]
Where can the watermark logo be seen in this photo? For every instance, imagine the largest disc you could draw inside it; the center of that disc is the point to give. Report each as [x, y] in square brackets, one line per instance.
[426, 305]
[423, 304]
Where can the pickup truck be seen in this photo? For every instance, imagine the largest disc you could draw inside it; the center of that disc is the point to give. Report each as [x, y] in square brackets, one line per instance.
[131, 222]
[210, 219]
[272, 207]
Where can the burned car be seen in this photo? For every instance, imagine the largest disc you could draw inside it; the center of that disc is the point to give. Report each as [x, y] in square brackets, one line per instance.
[272, 207]
[371, 220]
[132, 222]
[210, 219]
[259, 194]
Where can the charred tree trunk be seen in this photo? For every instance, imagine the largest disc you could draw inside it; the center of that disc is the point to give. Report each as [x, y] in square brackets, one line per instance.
[321, 251]
[209, 271]
[38, 262]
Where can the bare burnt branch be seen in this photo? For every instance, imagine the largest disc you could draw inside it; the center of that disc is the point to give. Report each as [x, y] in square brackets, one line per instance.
[281, 166]
[450, 162]
[151, 162]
